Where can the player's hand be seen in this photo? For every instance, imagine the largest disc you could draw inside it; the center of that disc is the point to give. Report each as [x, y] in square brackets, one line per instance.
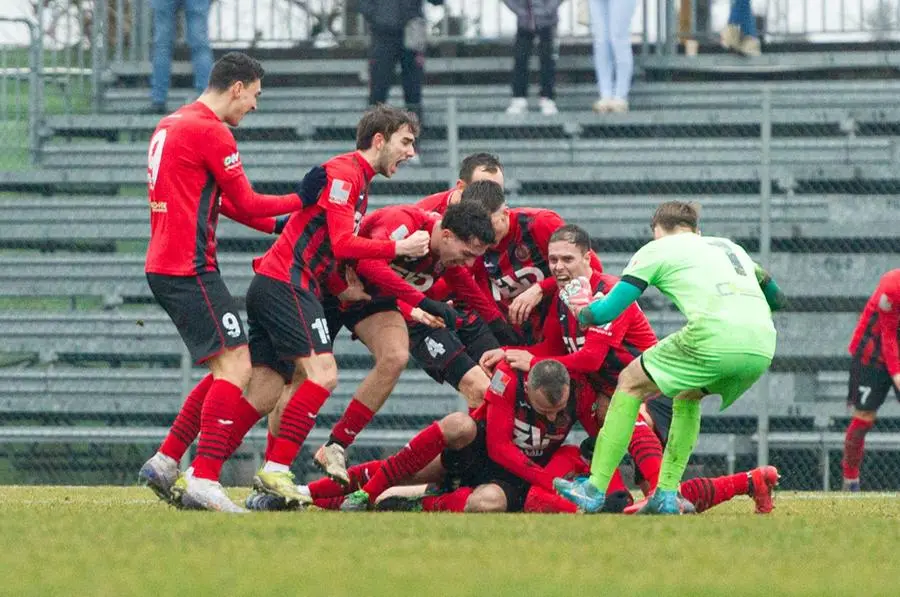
[896, 379]
[414, 245]
[519, 359]
[522, 306]
[490, 358]
[440, 309]
[311, 186]
[426, 318]
[577, 294]
[355, 290]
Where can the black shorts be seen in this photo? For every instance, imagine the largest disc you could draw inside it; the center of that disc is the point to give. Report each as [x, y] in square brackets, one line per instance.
[446, 355]
[203, 310]
[284, 323]
[869, 386]
[471, 467]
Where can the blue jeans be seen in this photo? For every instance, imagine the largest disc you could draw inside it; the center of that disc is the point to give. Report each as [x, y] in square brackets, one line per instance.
[613, 61]
[196, 16]
[742, 16]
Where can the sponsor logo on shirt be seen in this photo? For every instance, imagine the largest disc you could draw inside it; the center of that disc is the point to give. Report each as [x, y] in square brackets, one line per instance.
[339, 192]
[233, 160]
[159, 207]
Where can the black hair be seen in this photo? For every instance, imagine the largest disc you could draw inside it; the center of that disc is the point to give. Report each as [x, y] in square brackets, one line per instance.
[485, 193]
[469, 221]
[234, 67]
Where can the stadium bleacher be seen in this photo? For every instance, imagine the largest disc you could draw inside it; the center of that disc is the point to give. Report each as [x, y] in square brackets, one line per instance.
[77, 226]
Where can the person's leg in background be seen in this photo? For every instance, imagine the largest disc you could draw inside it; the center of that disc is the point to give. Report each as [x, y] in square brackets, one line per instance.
[603, 65]
[412, 75]
[547, 52]
[620, 14]
[196, 16]
[163, 40]
[522, 53]
[740, 33]
[384, 51]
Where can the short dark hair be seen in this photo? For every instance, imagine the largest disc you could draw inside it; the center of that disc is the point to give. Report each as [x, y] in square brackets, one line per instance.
[470, 163]
[672, 214]
[469, 221]
[551, 377]
[234, 67]
[485, 193]
[386, 120]
[576, 235]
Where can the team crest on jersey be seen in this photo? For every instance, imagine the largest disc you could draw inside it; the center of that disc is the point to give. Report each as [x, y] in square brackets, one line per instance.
[499, 382]
[884, 303]
[339, 192]
[522, 252]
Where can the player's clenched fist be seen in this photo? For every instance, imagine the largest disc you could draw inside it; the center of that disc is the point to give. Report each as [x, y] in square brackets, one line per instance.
[414, 245]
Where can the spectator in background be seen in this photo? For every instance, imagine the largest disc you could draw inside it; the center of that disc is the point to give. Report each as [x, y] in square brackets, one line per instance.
[398, 33]
[613, 60]
[196, 16]
[535, 17]
[740, 33]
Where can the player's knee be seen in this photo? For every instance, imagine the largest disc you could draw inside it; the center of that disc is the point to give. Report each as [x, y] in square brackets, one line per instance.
[487, 498]
[321, 369]
[393, 360]
[459, 430]
[233, 365]
[264, 389]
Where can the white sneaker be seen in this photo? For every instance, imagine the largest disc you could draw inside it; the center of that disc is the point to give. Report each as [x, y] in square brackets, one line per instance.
[601, 106]
[548, 107]
[617, 104]
[518, 106]
[332, 460]
[210, 495]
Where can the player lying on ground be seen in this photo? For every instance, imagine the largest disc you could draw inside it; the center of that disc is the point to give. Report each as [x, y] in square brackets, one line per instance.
[727, 344]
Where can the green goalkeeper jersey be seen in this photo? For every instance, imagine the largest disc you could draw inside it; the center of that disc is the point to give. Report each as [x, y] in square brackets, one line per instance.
[714, 283]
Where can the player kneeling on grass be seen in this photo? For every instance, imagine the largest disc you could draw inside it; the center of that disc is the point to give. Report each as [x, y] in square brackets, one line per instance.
[727, 344]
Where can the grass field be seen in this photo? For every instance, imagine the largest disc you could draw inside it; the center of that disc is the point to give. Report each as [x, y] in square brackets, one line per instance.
[112, 541]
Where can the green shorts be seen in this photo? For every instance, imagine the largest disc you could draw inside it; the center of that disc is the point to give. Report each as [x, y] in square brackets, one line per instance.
[675, 367]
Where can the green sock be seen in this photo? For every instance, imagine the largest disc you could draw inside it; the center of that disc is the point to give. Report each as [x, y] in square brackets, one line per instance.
[612, 443]
[683, 435]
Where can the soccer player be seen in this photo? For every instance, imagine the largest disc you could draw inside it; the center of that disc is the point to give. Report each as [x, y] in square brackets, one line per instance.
[195, 173]
[290, 337]
[474, 167]
[727, 344]
[874, 369]
[447, 353]
[600, 353]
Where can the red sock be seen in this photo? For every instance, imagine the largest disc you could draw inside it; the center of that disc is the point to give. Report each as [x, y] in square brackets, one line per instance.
[354, 420]
[270, 443]
[216, 421]
[854, 446]
[646, 451]
[422, 449]
[187, 424]
[705, 492]
[245, 417]
[297, 421]
[359, 474]
[329, 503]
[455, 501]
[545, 502]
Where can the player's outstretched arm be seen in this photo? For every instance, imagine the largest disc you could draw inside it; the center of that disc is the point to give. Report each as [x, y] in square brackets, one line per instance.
[770, 289]
[602, 311]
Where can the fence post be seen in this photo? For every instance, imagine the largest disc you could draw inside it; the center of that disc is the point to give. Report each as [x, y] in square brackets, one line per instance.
[98, 54]
[452, 141]
[671, 27]
[35, 89]
[765, 254]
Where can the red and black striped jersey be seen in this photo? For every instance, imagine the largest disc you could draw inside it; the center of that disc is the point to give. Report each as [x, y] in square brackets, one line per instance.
[437, 203]
[520, 439]
[194, 173]
[875, 338]
[598, 352]
[315, 239]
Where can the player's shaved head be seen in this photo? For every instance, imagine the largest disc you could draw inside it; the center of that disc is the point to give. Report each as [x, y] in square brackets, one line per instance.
[385, 120]
[234, 67]
[571, 233]
[550, 377]
[486, 161]
[674, 214]
[485, 193]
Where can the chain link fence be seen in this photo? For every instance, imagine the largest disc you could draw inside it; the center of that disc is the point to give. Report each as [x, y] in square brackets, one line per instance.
[802, 174]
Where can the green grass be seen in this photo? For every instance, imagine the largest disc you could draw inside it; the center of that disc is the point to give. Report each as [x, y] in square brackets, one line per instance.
[121, 541]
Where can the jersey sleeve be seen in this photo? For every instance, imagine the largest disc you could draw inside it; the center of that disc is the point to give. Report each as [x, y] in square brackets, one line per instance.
[379, 273]
[264, 224]
[889, 322]
[221, 157]
[643, 268]
[500, 423]
[339, 202]
[544, 226]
